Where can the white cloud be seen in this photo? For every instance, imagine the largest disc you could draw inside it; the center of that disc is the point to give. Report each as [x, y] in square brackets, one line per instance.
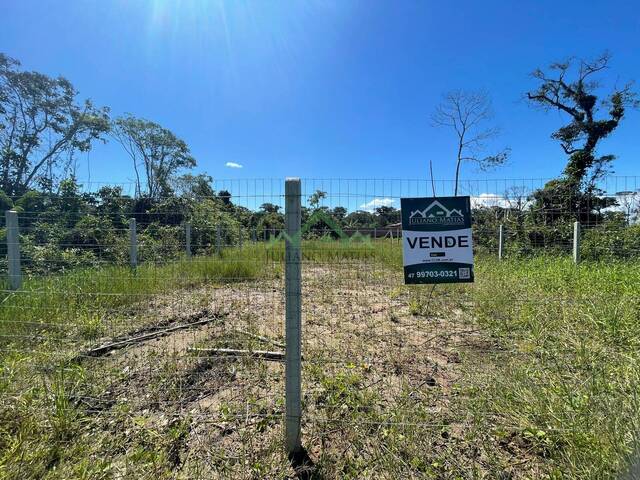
[377, 202]
[232, 165]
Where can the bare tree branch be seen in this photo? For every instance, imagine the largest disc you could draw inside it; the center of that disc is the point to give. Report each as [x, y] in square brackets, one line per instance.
[465, 113]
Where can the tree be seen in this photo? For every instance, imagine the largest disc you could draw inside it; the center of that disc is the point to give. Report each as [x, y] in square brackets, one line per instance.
[468, 113]
[576, 191]
[155, 150]
[360, 219]
[225, 196]
[41, 126]
[387, 215]
[269, 208]
[316, 197]
[113, 205]
[194, 186]
[339, 213]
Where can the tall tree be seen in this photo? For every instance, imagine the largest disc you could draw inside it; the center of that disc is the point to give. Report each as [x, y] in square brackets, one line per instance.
[469, 115]
[41, 126]
[571, 88]
[157, 154]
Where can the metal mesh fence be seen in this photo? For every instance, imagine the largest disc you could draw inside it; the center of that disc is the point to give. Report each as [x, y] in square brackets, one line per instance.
[171, 366]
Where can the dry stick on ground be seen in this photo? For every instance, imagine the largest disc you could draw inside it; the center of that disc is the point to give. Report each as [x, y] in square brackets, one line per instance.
[106, 348]
[261, 338]
[230, 352]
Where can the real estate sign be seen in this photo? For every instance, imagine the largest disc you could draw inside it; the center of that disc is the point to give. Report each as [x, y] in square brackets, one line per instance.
[436, 240]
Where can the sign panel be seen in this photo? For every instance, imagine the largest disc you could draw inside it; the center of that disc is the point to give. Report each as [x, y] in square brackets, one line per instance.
[436, 240]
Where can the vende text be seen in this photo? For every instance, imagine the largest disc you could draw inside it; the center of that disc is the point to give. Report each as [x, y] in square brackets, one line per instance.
[445, 241]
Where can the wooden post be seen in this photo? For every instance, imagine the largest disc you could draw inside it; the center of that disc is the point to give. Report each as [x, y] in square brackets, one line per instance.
[13, 250]
[500, 241]
[293, 312]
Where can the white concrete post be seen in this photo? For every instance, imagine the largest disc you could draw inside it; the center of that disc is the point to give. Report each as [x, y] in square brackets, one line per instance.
[293, 309]
[133, 243]
[187, 239]
[576, 243]
[13, 250]
[500, 242]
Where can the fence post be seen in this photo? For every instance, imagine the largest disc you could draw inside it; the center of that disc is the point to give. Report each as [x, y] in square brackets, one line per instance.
[218, 239]
[375, 233]
[133, 243]
[240, 235]
[576, 243]
[187, 239]
[254, 236]
[13, 250]
[293, 324]
[500, 242]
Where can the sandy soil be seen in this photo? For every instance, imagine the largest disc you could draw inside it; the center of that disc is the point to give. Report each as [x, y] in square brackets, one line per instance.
[357, 319]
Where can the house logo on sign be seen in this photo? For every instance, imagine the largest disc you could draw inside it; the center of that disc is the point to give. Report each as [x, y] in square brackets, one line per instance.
[436, 214]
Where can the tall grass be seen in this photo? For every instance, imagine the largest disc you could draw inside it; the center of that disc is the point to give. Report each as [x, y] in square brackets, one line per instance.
[77, 296]
[568, 381]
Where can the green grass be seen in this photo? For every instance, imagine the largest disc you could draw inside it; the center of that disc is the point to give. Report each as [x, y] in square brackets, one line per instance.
[561, 381]
[79, 296]
[568, 380]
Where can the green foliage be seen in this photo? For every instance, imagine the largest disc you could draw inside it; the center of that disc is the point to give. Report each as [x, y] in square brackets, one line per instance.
[5, 202]
[155, 150]
[575, 195]
[606, 243]
[49, 122]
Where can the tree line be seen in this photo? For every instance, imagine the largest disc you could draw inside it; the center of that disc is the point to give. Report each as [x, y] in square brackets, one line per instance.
[44, 127]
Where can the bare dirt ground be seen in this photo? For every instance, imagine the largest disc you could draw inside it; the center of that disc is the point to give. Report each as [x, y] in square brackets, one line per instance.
[386, 373]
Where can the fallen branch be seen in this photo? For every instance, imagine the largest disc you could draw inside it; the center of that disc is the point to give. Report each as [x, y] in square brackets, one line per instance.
[108, 347]
[262, 339]
[230, 352]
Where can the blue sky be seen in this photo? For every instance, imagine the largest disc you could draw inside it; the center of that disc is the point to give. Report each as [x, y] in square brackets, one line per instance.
[323, 88]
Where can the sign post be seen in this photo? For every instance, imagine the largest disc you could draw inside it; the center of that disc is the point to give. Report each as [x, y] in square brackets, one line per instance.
[437, 243]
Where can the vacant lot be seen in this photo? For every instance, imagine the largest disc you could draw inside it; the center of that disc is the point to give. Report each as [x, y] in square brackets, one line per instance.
[532, 372]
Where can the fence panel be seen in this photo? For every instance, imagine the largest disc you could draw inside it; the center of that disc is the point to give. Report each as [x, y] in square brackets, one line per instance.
[174, 367]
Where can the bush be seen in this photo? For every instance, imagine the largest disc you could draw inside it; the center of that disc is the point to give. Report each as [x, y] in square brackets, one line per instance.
[610, 241]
